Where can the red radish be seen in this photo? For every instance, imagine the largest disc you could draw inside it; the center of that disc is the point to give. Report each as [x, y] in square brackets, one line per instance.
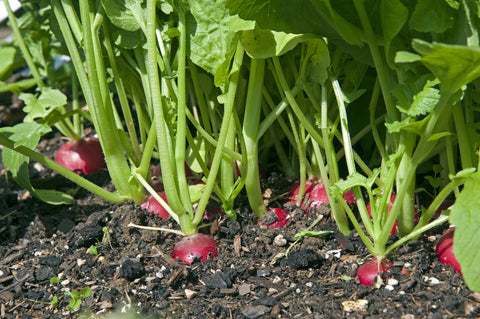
[445, 250]
[275, 217]
[151, 205]
[195, 247]
[367, 272]
[295, 189]
[85, 156]
[317, 194]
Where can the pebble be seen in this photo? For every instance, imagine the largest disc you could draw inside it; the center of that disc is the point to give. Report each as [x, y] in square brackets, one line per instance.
[392, 281]
[277, 280]
[253, 312]
[218, 280]
[244, 289]
[431, 280]
[190, 293]
[81, 262]
[263, 272]
[279, 241]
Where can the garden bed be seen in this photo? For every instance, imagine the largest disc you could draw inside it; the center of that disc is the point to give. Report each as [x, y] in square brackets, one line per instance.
[249, 279]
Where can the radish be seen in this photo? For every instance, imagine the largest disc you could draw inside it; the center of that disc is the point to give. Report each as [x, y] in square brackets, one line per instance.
[367, 272]
[195, 247]
[445, 250]
[275, 217]
[151, 205]
[317, 194]
[83, 156]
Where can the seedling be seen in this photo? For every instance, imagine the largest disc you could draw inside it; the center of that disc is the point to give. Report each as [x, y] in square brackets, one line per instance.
[106, 239]
[77, 296]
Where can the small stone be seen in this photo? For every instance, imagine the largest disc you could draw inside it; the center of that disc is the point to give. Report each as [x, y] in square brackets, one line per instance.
[263, 272]
[355, 305]
[277, 280]
[190, 293]
[253, 312]
[408, 316]
[337, 253]
[81, 262]
[431, 280]
[389, 287]
[244, 289]
[279, 241]
[392, 282]
[218, 280]
[43, 273]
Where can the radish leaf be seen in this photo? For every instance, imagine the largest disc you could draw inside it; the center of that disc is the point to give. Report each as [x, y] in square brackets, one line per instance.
[464, 215]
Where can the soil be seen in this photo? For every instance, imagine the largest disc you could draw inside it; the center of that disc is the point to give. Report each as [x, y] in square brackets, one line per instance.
[132, 273]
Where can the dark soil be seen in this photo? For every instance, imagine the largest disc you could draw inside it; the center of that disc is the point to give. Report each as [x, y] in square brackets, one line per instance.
[251, 277]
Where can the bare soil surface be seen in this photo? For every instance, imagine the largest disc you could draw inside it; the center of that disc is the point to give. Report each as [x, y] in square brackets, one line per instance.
[133, 272]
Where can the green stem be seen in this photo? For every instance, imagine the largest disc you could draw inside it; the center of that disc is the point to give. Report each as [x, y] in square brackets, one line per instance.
[158, 109]
[101, 109]
[382, 71]
[122, 95]
[181, 133]
[462, 136]
[347, 145]
[23, 46]
[224, 128]
[251, 124]
[438, 119]
[341, 219]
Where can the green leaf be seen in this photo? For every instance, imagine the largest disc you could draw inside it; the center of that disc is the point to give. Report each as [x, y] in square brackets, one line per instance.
[407, 57]
[41, 106]
[408, 124]
[298, 17]
[7, 59]
[454, 65]
[196, 192]
[213, 42]
[311, 233]
[28, 135]
[318, 61]
[466, 241]
[417, 97]
[75, 303]
[438, 136]
[393, 16]
[127, 14]
[432, 16]
[262, 44]
[355, 179]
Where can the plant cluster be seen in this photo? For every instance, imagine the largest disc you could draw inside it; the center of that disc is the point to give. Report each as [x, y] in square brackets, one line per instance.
[371, 104]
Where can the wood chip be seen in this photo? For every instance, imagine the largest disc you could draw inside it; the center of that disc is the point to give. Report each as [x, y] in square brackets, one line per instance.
[355, 305]
[237, 245]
